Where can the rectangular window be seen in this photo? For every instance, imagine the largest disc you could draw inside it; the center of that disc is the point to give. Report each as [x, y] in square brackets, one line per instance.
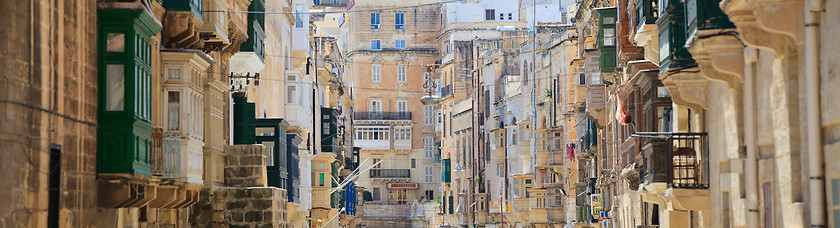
[376, 45]
[321, 179]
[316, 2]
[401, 73]
[374, 21]
[399, 21]
[490, 14]
[115, 79]
[609, 37]
[375, 75]
[402, 106]
[510, 16]
[501, 16]
[428, 114]
[173, 110]
[326, 127]
[429, 171]
[429, 146]
[375, 194]
[298, 18]
[174, 73]
[375, 106]
[581, 79]
[291, 92]
[116, 42]
[835, 202]
[399, 44]
[413, 163]
[768, 205]
[269, 152]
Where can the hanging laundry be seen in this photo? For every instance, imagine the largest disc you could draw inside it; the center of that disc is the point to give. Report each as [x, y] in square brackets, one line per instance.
[570, 151]
[621, 114]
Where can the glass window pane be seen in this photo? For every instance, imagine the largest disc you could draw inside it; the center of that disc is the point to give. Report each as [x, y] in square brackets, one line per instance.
[116, 42]
[174, 111]
[265, 131]
[290, 96]
[269, 152]
[115, 87]
[174, 73]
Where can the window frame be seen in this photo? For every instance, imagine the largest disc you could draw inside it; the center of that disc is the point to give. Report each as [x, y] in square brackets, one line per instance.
[375, 21]
[376, 45]
[401, 73]
[376, 73]
[399, 21]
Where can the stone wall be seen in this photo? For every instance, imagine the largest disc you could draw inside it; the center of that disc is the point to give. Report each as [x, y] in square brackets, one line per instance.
[245, 166]
[246, 201]
[398, 215]
[48, 84]
[249, 207]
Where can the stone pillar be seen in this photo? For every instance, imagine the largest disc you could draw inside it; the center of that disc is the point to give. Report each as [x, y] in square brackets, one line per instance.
[245, 166]
[246, 201]
[249, 207]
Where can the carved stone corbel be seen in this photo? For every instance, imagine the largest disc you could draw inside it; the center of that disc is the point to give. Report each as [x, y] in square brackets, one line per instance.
[720, 57]
[775, 25]
[687, 88]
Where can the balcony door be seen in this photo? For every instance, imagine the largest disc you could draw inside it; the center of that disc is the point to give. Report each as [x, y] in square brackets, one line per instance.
[375, 109]
[399, 196]
[402, 109]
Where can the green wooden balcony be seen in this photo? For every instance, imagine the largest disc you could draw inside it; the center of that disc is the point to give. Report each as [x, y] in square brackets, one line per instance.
[124, 133]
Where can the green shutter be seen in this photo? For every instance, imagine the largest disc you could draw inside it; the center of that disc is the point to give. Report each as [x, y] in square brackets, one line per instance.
[244, 120]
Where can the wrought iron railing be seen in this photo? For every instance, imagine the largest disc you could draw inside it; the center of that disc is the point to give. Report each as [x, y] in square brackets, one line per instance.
[382, 116]
[166, 155]
[680, 159]
[390, 173]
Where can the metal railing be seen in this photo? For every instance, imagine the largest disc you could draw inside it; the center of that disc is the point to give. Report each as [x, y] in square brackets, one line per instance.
[382, 116]
[390, 173]
[680, 159]
[166, 155]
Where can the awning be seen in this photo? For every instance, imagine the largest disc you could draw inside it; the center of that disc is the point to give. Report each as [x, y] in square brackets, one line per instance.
[403, 186]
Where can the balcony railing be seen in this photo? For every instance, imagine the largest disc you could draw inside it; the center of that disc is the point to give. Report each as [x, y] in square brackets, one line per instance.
[390, 173]
[166, 155]
[382, 116]
[679, 159]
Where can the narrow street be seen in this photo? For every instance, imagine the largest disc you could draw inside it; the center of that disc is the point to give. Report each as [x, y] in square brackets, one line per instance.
[420, 113]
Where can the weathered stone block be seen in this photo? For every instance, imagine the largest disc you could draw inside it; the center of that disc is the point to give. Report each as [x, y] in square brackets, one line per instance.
[238, 216]
[237, 205]
[253, 216]
[262, 204]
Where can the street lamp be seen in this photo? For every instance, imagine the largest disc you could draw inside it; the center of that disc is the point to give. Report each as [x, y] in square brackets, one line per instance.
[429, 85]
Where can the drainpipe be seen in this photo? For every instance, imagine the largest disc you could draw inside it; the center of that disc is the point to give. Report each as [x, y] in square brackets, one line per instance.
[816, 172]
[751, 171]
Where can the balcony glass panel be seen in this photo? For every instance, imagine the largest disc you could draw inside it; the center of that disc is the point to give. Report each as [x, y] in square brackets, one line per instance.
[390, 173]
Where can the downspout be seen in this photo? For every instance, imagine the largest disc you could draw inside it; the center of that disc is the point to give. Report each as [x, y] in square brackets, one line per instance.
[816, 171]
[751, 171]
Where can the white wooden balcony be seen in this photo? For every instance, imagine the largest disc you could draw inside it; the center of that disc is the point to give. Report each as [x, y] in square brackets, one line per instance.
[177, 158]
